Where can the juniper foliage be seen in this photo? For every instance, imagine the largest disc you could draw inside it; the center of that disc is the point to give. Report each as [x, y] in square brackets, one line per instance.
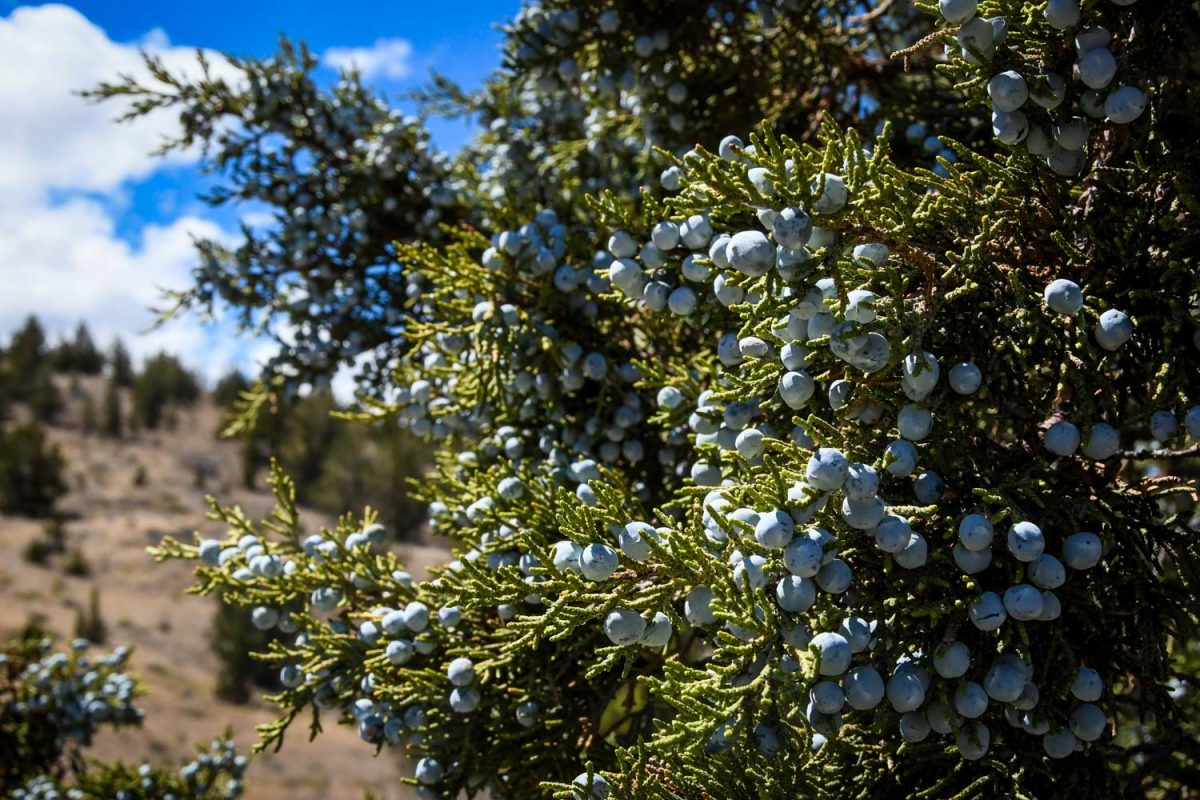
[54, 704]
[805, 382]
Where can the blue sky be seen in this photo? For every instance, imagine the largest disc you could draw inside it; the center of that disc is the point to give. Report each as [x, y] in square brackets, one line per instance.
[457, 38]
[90, 223]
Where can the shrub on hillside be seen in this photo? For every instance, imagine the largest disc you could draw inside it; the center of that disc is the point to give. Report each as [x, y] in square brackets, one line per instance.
[163, 382]
[120, 365]
[87, 415]
[51, 541]
[234, 639]
[229, 389]
[112, 423]
[6, 395]
[43, 397]
[31, 472]
[337, 463]
[76, 564]
[89, 624]
[373, 466]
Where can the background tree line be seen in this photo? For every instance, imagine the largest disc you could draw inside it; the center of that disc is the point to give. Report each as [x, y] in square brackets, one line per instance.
[337, 465]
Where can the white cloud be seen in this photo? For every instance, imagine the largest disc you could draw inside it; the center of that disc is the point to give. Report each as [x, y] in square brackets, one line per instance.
[65, 172]
[389, 58]
[65, 263]
[52, 138]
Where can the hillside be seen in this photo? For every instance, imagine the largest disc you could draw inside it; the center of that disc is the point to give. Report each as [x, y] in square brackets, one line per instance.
[112, 520]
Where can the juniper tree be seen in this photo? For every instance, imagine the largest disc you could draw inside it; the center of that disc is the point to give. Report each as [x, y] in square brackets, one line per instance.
[43, 396]
[337, 463]
[113, 422]
[162, 384]
[120, 365]
[232, 639]
[812, 389]
[26, 355]
[229, 389]
[55, 703]
[32, 472]
[78, 354]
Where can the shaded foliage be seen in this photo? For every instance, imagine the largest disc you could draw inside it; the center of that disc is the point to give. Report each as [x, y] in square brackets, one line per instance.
[32, 471]
[162, 383]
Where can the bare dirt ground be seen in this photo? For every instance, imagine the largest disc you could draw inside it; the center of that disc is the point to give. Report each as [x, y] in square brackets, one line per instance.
[144, 605]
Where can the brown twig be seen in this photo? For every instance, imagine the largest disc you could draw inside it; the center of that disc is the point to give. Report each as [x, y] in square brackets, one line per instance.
[874, 13]
[922, 43]
[1161, 454]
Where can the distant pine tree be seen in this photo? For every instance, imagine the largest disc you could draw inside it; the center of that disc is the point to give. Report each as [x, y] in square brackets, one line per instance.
[5, 391]
[234, 637]
[78, 354]
[163, 381]
[89, 624]
[31, 472]
[88, 359]
[26, 355]
[113, 419]
[120, 366]
[229, 389]
[44, 398]
[88, 415]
